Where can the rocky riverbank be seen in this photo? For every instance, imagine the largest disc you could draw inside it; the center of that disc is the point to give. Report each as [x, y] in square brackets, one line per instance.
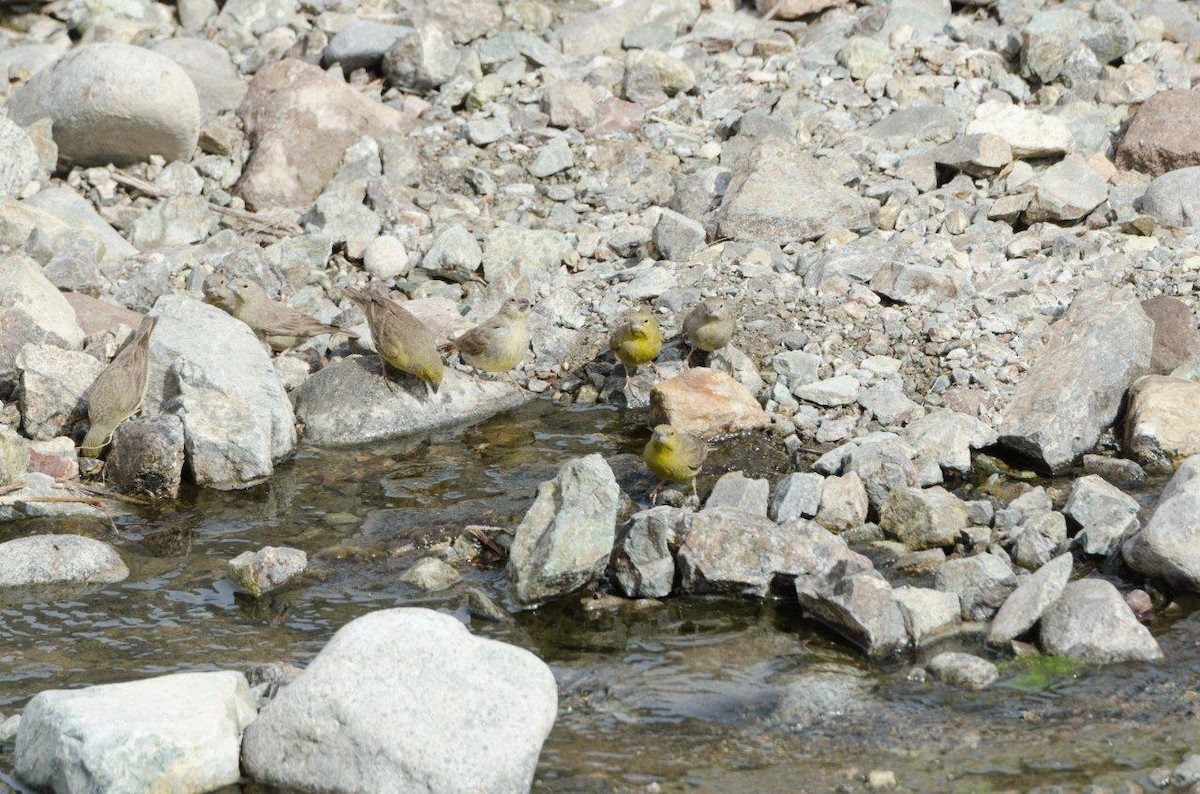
[960, 241]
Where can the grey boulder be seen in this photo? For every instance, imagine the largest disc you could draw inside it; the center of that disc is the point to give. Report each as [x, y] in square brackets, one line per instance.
[59, 559]
[1091, 622]
[1168, 547]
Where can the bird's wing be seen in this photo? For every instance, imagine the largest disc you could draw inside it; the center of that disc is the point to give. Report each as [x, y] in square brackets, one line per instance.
[694, 451]
[473, 342]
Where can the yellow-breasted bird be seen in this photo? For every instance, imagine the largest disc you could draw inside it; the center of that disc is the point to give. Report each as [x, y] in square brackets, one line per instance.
[636, 341]
[709, 326]
[280, 326]
[119, 391]
[401, 340]
[674, 456]
[499, 343]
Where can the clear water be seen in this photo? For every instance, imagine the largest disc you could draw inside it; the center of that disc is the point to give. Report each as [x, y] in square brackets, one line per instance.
[685, 694]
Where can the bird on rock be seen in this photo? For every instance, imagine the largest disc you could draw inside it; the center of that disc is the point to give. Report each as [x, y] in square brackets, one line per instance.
[281, 326]
[709, 326]
[401, 340]
[499, 343]
[119, 391]
[636, 341]
[674, 456]
[217, 292]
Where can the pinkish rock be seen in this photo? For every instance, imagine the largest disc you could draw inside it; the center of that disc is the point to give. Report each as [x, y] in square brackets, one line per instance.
[1175, 336]
[1162, 136]
[55, 457]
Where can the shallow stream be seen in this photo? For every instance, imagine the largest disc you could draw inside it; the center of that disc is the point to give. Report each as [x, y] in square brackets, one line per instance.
[684, 694]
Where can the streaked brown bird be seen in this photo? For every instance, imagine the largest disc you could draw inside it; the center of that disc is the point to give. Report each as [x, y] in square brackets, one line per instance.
[674, 456]
[119, 391]
[401, 340]
[281, 326]
[499, 343]
[636, 341]
[709, 326]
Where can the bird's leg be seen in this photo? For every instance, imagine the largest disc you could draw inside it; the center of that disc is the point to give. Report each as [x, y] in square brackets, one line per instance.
[655, 492]
[687, 361]
[628, 378]
[383, 368]
[695, 493]
[513, 379]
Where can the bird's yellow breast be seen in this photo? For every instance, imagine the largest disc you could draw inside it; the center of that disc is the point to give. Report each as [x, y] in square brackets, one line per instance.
[668, 462]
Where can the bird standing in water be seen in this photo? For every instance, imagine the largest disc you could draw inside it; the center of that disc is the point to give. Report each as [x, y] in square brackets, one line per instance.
[119, 391]
[709, 326]
[401, 340]
[499, 343]
[280, 326]
[636, 341]
[674, 456]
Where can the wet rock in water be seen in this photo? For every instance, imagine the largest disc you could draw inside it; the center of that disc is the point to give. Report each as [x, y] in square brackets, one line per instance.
[844, 503]
[269, 568]
[1162, 426]
[1030, 134]
[1162, 135]
[59, 559]
[982, 583]
[947, 437]
[1074, 386]
[1115, 470]
[819, 697]
[210, 370]
[1168, 547]
[149, 105]
[291, 163]
[1173, 199]
[1033, 596]
[41, 496]
[53, 384]
[146, 457]
[923, 518]
[733, 553]
[1176, 338]
[566, 536]
[172, 733]
[9, 729]
[735, 491]
[1091, 622]
[349, 402]
[798, 495]
[431, 574]
[481, 606]
[858, 604]
[1094, 501]
[32, 311]
[964, 670]
[14, 455]
[706, 404]
[814, 203]
[393, 701]
[927, 613]
[643, 561]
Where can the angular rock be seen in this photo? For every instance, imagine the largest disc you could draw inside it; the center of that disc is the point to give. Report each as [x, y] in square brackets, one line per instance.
[20, 165]
[1173, 199]
[391, 701]
[923, 518]
[595, 32]
[211, 371]
[1168, 547]
[844, 503]
[1066, 191]
[41, 496]
[1030, 134]
[511, 253]
[349, 402]
[172, 733]
[812, 204]
[113, 103]
[882, 460]
[1047, 40]
[565, 539]
[832, 392]
[218, 85]
[727, 552]
[858, 604]
[1092, 623]
[921, 285]
[1074, 387]
[291, 162]
[32, 311]
[14, 455]
[964, 670]
[146, 457]
[553, 157]
[1101, 540]
[77, 216]
[947, 437]
[53, 384]
[797, 496]
[982, 583]
[362, 44]
[570, 104]
[1094, 501]
[59, 559]
[735, 491]
[454, 254]
[927, 613]
[1176, 338]
[977, 155]
[269, 568]
[421, 59]
[795, 9]
[643, 560]
[706, 403]
[888, 403]
[677, 237]
[430, 574]
[1162, 426]
[923, 122]
[1033, 596]
[1162, 137]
